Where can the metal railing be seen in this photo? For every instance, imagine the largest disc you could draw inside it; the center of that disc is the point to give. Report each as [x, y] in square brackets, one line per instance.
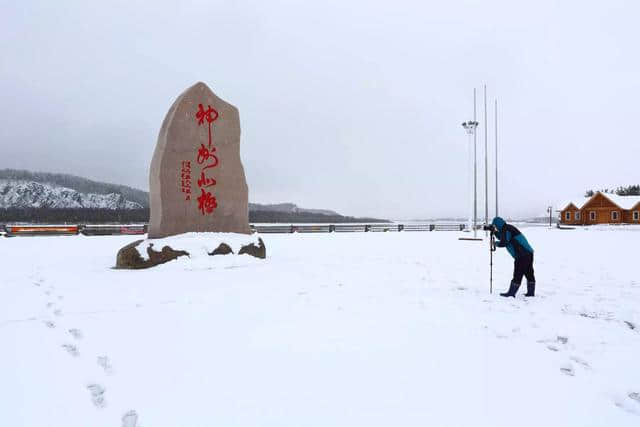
[10, 230]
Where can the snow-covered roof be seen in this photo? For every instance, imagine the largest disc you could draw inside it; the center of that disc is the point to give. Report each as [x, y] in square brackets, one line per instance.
[562, 205]
[625, 202]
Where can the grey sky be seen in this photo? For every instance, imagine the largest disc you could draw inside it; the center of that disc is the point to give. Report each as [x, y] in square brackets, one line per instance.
[348, 105]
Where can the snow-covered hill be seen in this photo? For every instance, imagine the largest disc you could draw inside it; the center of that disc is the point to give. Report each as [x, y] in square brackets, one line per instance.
[29, 194]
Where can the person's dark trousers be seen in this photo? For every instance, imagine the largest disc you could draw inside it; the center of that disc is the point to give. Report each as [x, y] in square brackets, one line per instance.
[523, 266]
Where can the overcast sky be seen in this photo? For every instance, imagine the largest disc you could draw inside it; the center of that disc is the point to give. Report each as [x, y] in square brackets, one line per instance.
[348, 105]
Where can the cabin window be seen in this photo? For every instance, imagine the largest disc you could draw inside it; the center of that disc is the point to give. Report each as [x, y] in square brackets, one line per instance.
[577, 216]
[636, 215]
[592, 215]
[614, 215]
[567, 216]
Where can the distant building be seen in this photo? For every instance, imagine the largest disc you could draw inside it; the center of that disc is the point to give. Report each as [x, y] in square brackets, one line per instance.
[602, 208]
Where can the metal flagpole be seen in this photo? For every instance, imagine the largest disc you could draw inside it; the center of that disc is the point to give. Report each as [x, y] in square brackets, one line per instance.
[470, 128]
[475, 170]
[496, 132]
[486, 162]
[492, 248]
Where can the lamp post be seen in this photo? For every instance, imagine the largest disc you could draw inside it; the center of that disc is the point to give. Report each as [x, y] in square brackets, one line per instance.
[550, 210]
[470, 128]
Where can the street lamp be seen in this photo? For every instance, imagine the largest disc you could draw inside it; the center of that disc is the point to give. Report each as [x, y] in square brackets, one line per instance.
[470, 128]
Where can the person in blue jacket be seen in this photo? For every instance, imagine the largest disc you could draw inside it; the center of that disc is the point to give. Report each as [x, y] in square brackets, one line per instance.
[508, 236]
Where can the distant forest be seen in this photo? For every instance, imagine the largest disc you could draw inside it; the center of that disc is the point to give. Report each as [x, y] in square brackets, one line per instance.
[631, 190]
[102, 216]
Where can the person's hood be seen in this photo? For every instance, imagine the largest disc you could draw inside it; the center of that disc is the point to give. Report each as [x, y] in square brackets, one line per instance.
[498, 223]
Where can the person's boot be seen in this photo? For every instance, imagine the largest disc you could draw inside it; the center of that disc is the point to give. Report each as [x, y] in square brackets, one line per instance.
[531, 289]
[513, 288]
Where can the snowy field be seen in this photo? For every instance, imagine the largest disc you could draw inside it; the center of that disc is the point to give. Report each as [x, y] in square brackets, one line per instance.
[362, 329]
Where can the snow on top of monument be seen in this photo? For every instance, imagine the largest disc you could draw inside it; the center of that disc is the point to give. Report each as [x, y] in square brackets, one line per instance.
[198, 245]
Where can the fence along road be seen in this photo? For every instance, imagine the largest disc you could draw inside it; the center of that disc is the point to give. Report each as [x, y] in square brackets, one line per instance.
[10, 230]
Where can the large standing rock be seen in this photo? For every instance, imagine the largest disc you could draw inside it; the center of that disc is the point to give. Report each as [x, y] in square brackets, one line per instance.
[197, 181]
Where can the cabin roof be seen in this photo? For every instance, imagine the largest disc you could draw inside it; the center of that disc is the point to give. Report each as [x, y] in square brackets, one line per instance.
[564, 204]
[624, 202]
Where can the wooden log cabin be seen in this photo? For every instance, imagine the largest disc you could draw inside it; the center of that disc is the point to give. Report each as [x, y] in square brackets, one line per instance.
[602, 208]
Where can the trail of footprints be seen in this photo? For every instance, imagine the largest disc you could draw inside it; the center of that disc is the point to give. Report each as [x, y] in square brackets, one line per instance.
[96, 390]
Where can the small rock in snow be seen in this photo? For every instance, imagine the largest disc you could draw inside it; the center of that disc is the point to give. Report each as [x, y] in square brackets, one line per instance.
[635, 396]
[563, 340]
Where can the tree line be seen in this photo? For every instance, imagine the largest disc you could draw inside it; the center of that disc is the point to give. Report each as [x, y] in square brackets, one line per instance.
[630, 190]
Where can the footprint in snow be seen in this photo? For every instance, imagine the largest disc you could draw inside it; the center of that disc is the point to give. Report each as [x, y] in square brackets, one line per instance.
[553, 345]
[57, 312]
[49, 324]
[49, 304]
[130, 419]
[105, 364]
[76, 333]
[580, 361]
[71, 349]
[567, 370]
[97, 394]
[635, 396]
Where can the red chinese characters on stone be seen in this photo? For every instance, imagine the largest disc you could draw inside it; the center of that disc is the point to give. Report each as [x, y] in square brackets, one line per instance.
[185, 179]
[204, 181]
[210, 115]
[205, 154]
[206, 202]
[206, 157]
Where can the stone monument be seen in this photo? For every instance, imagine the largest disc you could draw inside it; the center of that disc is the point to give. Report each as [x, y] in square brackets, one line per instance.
[196, 181]
[197, 184]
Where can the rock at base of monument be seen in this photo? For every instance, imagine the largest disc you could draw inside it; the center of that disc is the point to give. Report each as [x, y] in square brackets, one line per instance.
[223, 249]
[141, 253]
[259, 251]
[129, 257]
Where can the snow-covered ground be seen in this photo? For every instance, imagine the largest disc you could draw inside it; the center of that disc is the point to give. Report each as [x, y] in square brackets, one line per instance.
[362, 329]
